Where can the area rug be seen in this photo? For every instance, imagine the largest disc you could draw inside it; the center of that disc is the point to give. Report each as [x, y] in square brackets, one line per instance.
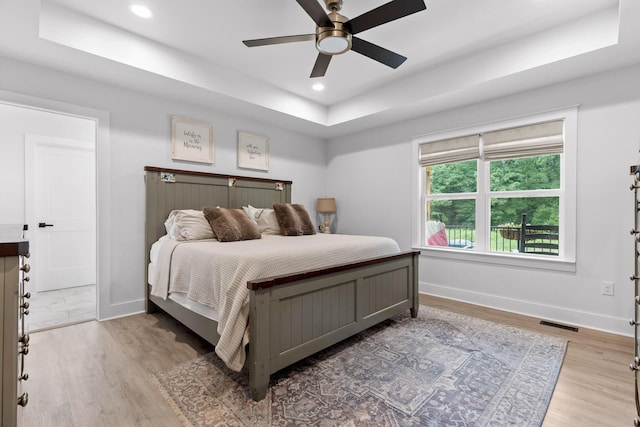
[439, 369]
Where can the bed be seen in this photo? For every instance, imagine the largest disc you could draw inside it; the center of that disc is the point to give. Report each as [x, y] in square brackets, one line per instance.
[292, 315]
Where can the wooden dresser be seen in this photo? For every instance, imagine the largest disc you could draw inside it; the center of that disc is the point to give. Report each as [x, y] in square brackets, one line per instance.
[15, 341]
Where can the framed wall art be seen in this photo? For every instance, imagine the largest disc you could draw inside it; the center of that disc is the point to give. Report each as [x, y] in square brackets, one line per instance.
[191, 140]
[253, 151]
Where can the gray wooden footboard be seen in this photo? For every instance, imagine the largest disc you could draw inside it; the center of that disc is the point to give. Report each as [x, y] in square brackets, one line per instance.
[292, 317]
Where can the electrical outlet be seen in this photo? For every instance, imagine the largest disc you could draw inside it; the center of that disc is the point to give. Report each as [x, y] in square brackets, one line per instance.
[606, 288]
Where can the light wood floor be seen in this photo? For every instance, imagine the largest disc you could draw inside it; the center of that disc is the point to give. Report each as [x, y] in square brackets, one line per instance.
[98, 373]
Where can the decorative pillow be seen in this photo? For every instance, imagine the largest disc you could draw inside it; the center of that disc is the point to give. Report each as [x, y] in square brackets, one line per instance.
[188, 224]
[293, 219]
[230, 225]
[265, 219]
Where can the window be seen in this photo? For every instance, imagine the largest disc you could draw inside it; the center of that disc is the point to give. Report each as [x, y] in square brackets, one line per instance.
[504, 189]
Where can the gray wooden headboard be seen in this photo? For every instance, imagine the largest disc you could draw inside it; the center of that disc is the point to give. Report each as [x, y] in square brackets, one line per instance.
[169, 189]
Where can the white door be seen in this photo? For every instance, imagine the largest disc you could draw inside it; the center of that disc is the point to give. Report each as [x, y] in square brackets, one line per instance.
[60, 195]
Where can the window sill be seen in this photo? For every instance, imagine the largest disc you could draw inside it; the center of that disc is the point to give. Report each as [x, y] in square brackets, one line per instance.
[538, 262]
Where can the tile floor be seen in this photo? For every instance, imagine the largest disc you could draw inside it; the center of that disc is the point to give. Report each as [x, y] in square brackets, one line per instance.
[62, 307]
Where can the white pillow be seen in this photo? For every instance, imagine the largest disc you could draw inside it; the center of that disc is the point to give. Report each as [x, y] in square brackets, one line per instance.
[265, 219]
[168, 224]
[251, 212]
[189, 224]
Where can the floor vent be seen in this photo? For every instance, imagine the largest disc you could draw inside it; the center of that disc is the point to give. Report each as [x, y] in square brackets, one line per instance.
[559, 325]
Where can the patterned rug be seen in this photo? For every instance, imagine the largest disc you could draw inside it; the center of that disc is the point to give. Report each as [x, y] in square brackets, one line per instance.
[440, 369]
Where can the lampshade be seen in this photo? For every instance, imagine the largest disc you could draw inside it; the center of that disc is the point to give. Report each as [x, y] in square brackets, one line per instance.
[326, 205]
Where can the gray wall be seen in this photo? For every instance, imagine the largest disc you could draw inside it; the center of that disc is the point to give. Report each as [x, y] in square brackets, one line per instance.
[139, 135]
[369, 173]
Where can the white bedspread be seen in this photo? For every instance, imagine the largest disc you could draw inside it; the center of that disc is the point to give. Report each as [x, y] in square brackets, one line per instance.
[216, 274]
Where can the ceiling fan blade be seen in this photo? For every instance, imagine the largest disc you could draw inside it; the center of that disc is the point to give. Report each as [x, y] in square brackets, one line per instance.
[377, 53]
[316, 12]
[279, 40]
[388, 12]
[321, 65]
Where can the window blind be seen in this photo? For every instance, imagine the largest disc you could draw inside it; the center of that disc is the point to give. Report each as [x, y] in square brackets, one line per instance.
[524, 141]
[450, 150]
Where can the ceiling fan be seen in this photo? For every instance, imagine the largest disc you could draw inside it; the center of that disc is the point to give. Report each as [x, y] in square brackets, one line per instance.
[335, 33]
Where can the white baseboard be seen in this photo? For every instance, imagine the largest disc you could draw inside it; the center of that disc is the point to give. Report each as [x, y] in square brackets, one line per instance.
[614, 325]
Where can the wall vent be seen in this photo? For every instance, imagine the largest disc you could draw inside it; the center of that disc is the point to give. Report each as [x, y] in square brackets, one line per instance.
[559, 325]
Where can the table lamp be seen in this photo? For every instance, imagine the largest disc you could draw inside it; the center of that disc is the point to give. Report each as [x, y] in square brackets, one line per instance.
[326, 206]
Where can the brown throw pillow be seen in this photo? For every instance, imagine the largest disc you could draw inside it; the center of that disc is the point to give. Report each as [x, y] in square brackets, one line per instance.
[230, 225]
[293, 219]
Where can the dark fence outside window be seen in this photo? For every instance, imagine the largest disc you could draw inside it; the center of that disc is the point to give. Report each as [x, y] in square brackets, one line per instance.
[503, 239]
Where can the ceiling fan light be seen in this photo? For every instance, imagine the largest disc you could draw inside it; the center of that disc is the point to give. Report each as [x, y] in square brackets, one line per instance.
[333, 45]
[333, 41]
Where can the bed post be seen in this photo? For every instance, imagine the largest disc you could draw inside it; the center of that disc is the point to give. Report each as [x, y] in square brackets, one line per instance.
[258, 358]
[416, 284]
[151, 181]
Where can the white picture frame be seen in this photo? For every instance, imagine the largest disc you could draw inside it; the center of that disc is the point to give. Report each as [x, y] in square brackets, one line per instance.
[253, 151]
[191, 140]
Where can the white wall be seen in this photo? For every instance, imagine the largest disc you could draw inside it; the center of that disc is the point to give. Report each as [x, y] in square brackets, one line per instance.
[369, 173]
[138, 135]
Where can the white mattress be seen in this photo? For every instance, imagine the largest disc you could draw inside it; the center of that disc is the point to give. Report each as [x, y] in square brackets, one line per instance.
[215, 273]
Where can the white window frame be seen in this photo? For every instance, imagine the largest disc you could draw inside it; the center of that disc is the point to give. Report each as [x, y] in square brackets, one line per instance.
[566, 260]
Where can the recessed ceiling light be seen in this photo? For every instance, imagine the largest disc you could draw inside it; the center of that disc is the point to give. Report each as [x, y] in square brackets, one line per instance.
[141, 11]
[318, 87]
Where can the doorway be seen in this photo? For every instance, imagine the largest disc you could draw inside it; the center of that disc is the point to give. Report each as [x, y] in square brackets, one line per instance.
[60, 208]
[22, 114]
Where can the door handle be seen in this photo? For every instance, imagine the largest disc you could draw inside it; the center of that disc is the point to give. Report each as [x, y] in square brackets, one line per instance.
[43, 225]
